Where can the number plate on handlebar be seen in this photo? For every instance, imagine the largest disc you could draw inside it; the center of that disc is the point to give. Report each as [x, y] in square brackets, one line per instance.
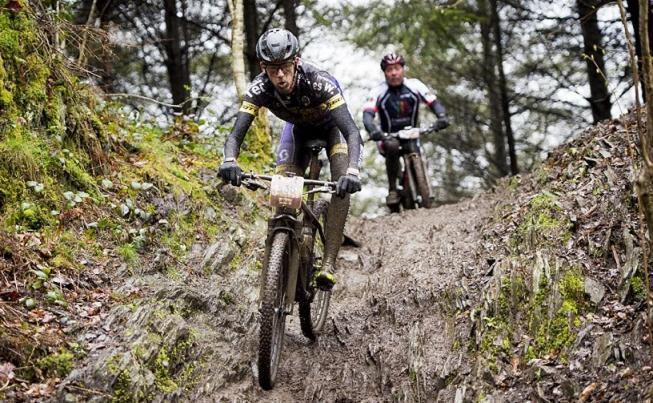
[286, 191]
[408, 134]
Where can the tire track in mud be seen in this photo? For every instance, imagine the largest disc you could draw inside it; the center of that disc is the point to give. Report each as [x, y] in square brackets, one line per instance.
[387, 338]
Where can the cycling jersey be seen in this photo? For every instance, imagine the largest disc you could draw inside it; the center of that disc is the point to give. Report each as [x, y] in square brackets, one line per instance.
[315, 106]
[398, 107]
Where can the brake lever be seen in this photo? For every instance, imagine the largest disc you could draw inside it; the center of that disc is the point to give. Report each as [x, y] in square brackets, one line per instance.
[253, 185]
[322, 189]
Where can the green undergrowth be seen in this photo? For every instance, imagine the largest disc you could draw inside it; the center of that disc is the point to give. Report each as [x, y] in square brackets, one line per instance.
[83, 186]
[543, 225]
[532, 322]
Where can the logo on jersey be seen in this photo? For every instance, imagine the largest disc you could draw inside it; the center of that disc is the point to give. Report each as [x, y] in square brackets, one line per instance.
[404, 108]
[334, 102]
[248, 107]
[283, 156]
[255, 89]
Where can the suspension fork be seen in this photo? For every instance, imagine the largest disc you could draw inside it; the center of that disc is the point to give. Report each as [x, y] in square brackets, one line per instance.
[293, 227]
[409, 160]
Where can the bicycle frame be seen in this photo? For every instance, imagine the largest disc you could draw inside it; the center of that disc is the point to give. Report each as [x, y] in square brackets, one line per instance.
[294, 224]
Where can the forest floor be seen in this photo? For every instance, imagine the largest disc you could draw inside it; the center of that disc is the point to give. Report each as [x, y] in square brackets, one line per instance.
[530, 292]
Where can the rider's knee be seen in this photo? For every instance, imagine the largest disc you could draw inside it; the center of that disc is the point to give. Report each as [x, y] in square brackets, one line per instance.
[391, 147]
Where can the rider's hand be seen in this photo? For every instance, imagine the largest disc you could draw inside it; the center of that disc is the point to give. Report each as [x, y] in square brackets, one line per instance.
[230, 172]
[441, 123]
[349, 183]
[376, 135]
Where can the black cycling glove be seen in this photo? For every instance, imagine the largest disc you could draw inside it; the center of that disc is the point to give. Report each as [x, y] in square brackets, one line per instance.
[230, 172]
[441, 123]
[376, 135]
[348, 184]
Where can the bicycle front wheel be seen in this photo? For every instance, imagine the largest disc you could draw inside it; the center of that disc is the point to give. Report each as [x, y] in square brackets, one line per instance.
[421, 181]
[314, 307]
[273, 315]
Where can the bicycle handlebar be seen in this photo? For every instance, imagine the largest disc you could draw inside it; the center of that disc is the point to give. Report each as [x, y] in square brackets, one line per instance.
[422, 130]
[329, 186]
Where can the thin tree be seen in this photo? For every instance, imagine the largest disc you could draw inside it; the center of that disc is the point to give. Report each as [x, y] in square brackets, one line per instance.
[290, 15]
[251, 34]
[593, 54]
[237, 46]
[490, 79]
[503, 88]
[261, 135]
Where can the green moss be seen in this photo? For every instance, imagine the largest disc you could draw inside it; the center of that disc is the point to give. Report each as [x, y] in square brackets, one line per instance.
[162, 378]
[59, 364]
[554, 335]
[128, 253]
[499, 325]
[172, 368]
[638, 287]
[544, 223]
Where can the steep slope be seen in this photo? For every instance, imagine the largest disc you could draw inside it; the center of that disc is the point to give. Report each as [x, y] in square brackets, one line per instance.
[90, 204]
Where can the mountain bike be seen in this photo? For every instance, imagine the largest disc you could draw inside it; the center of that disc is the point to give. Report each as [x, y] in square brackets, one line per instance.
[294, 251]
[415, 190]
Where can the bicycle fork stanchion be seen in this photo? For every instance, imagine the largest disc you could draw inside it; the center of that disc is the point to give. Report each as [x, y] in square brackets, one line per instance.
[293, 268]
[410, 172]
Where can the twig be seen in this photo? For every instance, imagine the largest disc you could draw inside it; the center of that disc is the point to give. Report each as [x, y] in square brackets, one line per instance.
[6, 385]
[144, 98]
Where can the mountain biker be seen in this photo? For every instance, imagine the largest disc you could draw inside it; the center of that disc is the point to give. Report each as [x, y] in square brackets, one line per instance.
[311, 103]
[397, 101]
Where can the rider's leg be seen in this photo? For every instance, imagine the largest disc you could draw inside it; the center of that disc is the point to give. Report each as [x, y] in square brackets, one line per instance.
[337, 212]
[391, 148]
[335, 224]
[288, 158]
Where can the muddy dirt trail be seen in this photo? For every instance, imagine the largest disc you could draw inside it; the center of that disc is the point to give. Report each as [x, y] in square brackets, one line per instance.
[387, 339]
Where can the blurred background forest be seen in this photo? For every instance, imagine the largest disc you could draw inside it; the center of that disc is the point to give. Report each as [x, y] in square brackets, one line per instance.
[516, 77]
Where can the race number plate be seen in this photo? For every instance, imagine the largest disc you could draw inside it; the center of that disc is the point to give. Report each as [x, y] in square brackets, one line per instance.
[286, 191]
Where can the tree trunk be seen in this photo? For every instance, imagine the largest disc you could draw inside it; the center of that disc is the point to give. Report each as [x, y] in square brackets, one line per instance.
[633, 10]
[503, 89]
[176, 58]
[593, 54]
[237, 46]
[488, 72]
[251, 34]
[645, 179]
[290, 15]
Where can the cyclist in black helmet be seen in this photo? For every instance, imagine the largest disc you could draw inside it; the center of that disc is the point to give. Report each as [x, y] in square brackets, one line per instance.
[397, 101]
[311, 103]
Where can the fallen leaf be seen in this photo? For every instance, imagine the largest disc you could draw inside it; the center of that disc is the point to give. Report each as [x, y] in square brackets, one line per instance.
[585, 394]
[6, 372]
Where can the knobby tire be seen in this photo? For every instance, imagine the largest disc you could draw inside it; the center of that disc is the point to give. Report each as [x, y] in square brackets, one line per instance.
[273, 318]
[313, 314]
[421, 182]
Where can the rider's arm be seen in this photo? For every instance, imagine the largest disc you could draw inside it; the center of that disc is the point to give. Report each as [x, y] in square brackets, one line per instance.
[368, 122]
[345, 123]
[246, 114]
[437, 108]
[237, 135]
[428, 97]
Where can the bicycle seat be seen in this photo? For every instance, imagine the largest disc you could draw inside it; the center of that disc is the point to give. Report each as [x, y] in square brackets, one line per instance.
[316, 144]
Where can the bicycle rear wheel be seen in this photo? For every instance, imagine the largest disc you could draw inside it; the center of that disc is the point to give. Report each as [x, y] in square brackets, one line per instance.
[273, 316]
[314, 306]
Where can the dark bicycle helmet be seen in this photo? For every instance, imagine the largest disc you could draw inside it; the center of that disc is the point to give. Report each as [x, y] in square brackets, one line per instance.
[392, 58]
[277, 46]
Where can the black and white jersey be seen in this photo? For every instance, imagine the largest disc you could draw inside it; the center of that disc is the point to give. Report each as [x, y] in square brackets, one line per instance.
[316, 94]
[398, 107]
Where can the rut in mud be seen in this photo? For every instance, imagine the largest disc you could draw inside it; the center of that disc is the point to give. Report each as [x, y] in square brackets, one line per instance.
[386, 338]
[530, 292]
